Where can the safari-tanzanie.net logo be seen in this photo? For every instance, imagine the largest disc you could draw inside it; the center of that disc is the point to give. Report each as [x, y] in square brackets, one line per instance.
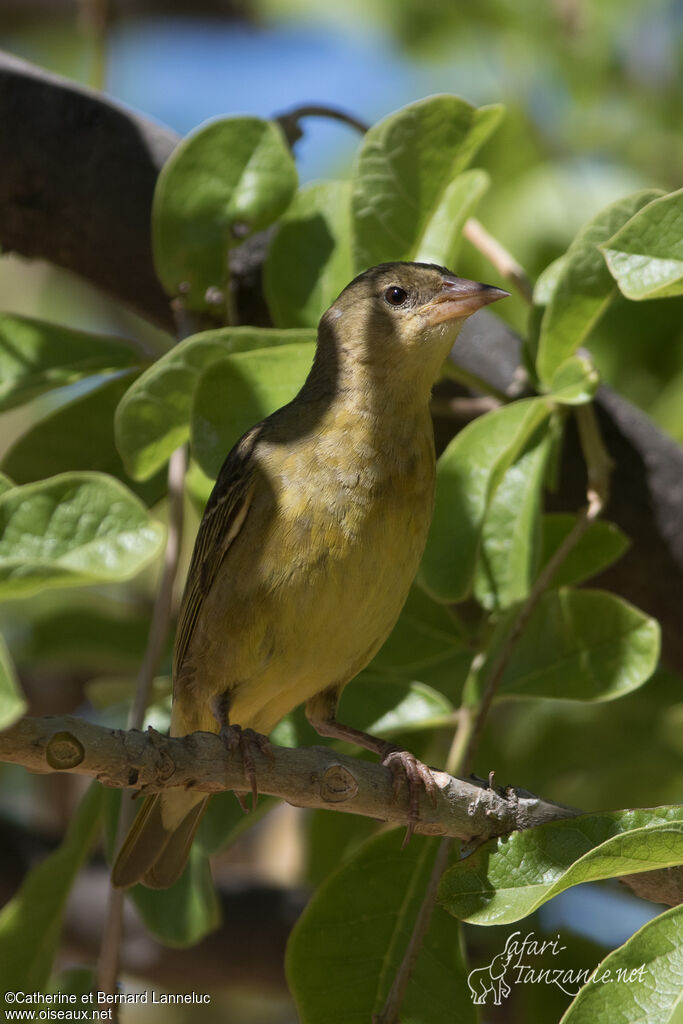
[517, 964]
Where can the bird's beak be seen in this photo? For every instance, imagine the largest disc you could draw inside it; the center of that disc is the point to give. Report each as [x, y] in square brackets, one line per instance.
[460, 298]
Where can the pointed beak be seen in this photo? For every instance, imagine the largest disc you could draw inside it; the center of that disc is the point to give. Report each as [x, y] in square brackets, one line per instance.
[460, 298]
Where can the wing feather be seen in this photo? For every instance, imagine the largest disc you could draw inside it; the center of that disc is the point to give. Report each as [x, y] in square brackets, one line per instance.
[223, 518]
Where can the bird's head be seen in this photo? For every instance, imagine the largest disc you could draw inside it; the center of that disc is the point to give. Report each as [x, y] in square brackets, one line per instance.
[399, 320]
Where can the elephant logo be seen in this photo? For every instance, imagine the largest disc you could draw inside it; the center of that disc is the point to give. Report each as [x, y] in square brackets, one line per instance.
[491, 979]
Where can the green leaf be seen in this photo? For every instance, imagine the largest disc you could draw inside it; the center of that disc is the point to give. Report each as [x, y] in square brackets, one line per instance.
[238, 392]
[404, 169]
[645, 257]
[153, 417]
[602, 544]
[31, 923]
[468, 473]
[581, 645]
[509, 536]
[36, 356]
[228, 179]
[386, 708]
[640, 981]
[225, 821]
[347, 945]
[77, 435]
[442, 235]
[183, 914]
[424, 645]
[508, 878]
[12, 702]
[583, 289]
[5, 483]
[329, 839]
[84, 630]
[309, 259]
[548, 280]
[71, 530]
[575, 381]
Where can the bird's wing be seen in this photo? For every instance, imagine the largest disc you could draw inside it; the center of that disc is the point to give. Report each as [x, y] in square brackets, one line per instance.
[223, 518]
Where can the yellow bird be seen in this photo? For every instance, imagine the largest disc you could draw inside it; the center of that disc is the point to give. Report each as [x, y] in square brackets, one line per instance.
[310, 542]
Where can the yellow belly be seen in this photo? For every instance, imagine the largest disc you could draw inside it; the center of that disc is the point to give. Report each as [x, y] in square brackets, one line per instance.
[313, 585]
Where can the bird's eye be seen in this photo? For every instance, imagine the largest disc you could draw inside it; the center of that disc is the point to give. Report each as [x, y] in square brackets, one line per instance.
[395, 296]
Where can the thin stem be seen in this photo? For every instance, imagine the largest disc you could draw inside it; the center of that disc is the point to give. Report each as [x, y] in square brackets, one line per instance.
[95, 17]
[108, 962]
[461, 408]
[452, 371]
[498, 256]
[471, 723]
[163, 605]
[289, 121]
[392, 1005]
[598, 466]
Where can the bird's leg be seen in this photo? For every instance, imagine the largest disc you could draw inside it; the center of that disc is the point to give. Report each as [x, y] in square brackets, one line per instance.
[404, 766]
[235, 738]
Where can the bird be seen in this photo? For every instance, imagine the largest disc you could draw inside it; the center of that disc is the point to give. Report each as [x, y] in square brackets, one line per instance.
[310, 542]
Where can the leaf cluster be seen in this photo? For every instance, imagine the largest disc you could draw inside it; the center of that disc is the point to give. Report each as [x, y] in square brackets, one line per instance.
[108, 418]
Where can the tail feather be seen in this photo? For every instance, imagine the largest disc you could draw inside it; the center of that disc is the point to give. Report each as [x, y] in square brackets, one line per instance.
[169, 865]
[157, 846]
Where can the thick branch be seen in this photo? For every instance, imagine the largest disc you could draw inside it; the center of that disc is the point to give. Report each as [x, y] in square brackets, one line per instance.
[306, 777]
[78, 174]
[316, 777]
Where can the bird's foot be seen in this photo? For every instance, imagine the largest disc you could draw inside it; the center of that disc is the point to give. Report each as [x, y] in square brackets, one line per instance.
[418, 778]
[245, 742]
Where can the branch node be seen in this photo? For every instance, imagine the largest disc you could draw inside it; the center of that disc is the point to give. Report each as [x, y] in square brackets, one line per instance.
[337, 784]
[64, 751]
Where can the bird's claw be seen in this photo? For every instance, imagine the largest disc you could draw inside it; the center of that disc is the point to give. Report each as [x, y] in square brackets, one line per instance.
[418, 778]
[245, 741]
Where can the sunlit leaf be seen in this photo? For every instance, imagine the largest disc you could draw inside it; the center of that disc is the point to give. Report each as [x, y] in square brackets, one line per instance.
[309, 258]
[575, 381]
[228, 179]
[238, 392]
[78, 435]
[583, 288]
[12, 702]
[640, 981]
[36, 356]
[404, 168]
[442, 236]
[509, 536]
[645, 256]
[506, 879]
[72, 529]
[468, 473]
[153, 417]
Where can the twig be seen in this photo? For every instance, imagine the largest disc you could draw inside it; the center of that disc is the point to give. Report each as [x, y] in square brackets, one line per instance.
[108, 960]
[396, 994]
[453, 371]
[462, 408]
[289, 121]
[498, 256]
[392, 1005]
[471, 723]
[598, 467]
[318, 777]
[95, 17]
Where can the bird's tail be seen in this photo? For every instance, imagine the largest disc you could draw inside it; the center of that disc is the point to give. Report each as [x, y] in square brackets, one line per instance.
[156, 849]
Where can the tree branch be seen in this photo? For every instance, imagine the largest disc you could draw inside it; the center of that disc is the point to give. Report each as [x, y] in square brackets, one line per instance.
[306, 777]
